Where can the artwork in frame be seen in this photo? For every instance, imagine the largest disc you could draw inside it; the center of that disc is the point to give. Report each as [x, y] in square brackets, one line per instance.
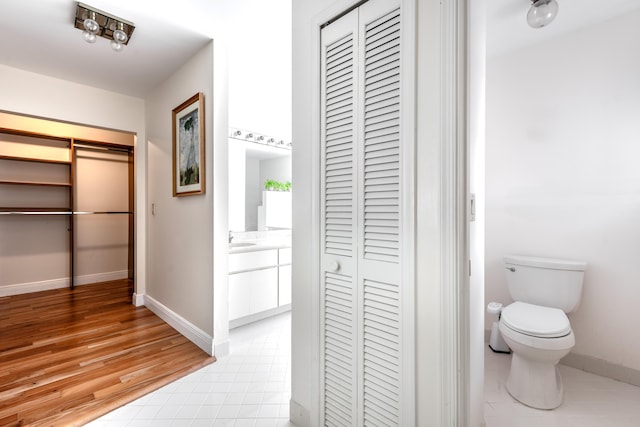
[188, 147]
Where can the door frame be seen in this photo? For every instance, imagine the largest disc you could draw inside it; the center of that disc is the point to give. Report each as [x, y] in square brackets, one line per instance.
[449, 341]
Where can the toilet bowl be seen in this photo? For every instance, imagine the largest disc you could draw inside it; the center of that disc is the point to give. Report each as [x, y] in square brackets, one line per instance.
[539, 337]
[536, 327]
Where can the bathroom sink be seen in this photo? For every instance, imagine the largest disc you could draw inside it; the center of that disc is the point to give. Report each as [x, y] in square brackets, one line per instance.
[240, 244]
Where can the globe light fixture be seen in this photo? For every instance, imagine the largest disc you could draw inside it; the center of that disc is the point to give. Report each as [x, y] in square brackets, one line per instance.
[542, 13]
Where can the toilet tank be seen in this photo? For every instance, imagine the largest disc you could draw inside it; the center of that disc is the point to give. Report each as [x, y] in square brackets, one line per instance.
[548, 282]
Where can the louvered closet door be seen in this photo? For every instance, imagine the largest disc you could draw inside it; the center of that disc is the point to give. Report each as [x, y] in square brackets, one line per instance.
[360, 116]
[379, 214]
[338, 224]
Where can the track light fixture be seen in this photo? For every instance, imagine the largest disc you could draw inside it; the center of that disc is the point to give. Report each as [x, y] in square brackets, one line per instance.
[95, 23]
[542, 13]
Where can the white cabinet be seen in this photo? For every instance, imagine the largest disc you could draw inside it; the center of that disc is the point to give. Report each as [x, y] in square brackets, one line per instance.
[284, 285]
[252, 292]
[258, 284]
[284, 276]
[253, 260]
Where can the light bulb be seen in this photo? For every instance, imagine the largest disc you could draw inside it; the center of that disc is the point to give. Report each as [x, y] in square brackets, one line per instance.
[542, 13]
[89, 37]
[116, 45]
[90, 24]
[119, 35]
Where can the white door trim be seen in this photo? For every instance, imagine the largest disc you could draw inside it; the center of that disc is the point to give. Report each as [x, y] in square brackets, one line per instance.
[454, 215]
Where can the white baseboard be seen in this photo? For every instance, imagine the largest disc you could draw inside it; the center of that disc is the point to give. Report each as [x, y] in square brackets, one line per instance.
[603, 368]
[102, 277]
[137, 299]
[241, 321]
[596, 366]
[182, 325]
[221, 349]
[46, 285]
[298, 414]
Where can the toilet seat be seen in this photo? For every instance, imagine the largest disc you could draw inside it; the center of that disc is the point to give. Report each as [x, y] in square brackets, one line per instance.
[535, 320]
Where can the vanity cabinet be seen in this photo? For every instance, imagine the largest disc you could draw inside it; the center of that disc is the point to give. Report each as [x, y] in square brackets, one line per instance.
[251, 292]
[284, 276]
[259, 284]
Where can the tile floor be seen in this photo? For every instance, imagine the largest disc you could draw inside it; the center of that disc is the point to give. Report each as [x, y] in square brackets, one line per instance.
[250, 387]
[589, 400]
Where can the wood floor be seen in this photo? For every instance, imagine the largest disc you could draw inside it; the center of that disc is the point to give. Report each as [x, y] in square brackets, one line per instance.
[68, 357]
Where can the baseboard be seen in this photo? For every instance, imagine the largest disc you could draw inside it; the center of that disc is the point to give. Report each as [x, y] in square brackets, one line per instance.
[182, 325]
[221, 349]
[298, 414]
[46, 285]
[596, 366]
[101, 277]
[137, 299]
[259, 316]
[603, 368]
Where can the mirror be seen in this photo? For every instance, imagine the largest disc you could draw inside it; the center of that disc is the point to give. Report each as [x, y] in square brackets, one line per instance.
[251, 206]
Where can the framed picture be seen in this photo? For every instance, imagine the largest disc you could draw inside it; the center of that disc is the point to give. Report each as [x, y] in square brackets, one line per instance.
[188, 147]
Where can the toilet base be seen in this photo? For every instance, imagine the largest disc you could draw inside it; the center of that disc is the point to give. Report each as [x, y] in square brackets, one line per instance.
[535, 383]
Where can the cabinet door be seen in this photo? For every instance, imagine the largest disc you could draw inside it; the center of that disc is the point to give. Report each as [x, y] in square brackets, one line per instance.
[252, 260]
[264, 289]
[284, 285]
[252, 292]
[239, 291]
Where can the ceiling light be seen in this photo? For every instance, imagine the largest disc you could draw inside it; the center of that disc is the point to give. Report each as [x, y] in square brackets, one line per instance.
[542, 13]
[90, 24]
[95, 23]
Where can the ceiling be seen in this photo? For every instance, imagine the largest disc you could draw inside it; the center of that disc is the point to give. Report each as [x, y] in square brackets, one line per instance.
[507, 27]
[38, 35]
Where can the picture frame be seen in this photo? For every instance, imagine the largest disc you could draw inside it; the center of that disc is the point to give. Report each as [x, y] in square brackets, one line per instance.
[189, 161]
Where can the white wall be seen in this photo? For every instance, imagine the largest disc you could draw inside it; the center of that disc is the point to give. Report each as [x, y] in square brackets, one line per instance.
[237, 178]
[252, 193]
[186, 233]
[41, 96]
[259, 39]
[563, 180]
[278, 168]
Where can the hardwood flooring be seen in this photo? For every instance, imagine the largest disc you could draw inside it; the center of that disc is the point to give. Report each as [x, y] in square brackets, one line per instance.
[68, 357]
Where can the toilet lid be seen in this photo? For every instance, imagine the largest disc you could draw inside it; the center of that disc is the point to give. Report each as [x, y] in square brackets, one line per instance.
[535, 320]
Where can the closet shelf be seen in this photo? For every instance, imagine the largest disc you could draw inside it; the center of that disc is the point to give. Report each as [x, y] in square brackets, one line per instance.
[34, 160]
[35, 183]
[34, 211]
[103, 213]
[55, 211]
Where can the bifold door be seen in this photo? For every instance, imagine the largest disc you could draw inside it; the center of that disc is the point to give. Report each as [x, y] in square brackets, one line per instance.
[361, 259]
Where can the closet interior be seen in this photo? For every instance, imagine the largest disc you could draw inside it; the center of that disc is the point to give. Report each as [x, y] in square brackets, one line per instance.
[66, 205]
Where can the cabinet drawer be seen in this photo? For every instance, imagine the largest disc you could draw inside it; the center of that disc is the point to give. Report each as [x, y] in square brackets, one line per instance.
[244, 261]
[285, 256]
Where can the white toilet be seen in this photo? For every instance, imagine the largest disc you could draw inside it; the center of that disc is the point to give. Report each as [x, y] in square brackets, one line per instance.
[536, 327]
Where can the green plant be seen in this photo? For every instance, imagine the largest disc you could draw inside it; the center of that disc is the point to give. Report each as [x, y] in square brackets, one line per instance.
[273, 185]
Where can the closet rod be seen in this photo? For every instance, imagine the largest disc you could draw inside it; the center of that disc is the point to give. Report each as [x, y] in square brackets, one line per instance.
[35, 213]
[96, 148]
[67, 213]
[104, 213]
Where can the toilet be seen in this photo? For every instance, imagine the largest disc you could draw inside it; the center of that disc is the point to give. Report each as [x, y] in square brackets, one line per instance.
[536, 327]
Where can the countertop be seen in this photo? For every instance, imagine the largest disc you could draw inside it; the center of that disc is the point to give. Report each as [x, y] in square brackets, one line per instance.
[257, 246]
